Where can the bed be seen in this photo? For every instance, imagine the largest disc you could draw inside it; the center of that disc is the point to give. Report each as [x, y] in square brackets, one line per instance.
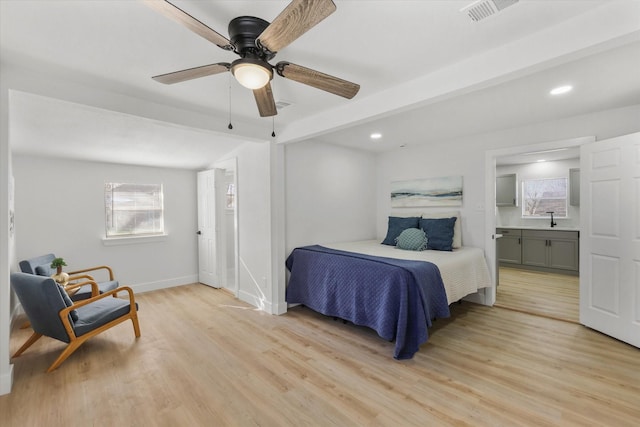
[396, 292]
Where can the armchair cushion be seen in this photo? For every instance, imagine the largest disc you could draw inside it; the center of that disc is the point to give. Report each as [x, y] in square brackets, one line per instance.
[98, 313]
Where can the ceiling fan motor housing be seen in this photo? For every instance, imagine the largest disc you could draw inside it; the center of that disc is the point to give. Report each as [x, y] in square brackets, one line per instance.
[243, 32]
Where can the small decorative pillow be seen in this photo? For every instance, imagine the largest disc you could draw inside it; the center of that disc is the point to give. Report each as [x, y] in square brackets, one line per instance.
[44, 270]
[68, 302]
[412, 239]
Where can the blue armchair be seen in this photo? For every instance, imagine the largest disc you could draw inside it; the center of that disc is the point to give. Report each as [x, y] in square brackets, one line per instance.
[42, 267]
[53, 314]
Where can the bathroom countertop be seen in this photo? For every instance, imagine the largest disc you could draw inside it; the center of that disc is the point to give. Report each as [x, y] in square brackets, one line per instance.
[532, 227]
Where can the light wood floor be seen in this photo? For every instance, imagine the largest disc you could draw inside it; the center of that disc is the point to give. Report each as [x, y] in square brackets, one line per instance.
[206, 359]
[545, 294]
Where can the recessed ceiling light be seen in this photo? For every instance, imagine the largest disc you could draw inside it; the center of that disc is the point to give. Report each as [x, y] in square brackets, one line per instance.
[561, 90]
[376, 135]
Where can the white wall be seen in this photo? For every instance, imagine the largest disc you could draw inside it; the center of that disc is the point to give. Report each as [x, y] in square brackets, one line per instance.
[512, 215]
[60, 209]
[330, 194]
[466, 157]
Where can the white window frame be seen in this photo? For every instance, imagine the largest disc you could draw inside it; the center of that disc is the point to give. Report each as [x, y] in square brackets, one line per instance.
[543, 214]
[147, 200]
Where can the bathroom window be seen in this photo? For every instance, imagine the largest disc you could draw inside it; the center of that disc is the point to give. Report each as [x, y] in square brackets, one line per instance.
[540, 196]
[133, 209]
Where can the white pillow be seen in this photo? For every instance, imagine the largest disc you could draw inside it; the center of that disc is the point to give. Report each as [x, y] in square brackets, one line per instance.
[457, 227]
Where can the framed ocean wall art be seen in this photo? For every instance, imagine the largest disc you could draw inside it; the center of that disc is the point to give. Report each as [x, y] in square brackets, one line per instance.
[442, 191]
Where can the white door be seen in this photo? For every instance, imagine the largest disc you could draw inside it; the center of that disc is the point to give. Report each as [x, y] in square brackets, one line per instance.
[610, 237]
[207, 254]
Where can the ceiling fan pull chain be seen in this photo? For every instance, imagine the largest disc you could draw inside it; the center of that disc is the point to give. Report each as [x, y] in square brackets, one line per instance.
[230, 125]
[273, 126]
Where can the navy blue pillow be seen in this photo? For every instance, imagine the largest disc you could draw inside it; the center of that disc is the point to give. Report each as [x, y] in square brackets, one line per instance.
[397, 225]
[43, 270]
[439, 232]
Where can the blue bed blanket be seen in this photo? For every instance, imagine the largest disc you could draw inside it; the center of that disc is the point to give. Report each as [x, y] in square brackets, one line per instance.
[396, 298]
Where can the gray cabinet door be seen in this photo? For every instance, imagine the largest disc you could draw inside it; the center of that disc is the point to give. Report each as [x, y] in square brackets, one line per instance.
[509, 249]
[563, 254]
[534, 251]
[506, 190]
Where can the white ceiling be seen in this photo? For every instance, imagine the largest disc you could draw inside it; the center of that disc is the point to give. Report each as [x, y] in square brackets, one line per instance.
[427, 73]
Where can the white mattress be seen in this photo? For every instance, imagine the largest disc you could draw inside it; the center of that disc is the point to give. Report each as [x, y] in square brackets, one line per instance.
[463, 270]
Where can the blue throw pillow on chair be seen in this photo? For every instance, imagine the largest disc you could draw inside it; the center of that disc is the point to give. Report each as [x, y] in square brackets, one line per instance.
[68, 302]
[44, 270]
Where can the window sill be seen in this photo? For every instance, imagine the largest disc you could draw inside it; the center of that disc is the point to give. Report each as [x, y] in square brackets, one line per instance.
[133, 240]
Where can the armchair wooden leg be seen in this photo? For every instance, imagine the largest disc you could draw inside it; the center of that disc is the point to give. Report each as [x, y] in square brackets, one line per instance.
[68, 351]
[136, 325]
[33, 338]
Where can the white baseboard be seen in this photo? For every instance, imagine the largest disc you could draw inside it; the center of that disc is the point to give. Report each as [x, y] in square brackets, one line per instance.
[6, 381]
[163, 284]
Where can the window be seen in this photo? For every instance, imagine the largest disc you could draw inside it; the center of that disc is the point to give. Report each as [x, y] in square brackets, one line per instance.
[133, 209]
[540, 196]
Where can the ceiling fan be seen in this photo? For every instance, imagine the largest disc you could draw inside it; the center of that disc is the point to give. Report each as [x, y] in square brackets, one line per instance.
[257, 41]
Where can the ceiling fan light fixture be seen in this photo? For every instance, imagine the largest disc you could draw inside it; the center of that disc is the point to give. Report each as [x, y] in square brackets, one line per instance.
[252, 73]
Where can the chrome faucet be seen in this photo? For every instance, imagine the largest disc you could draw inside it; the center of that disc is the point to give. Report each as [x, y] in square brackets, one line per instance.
[553, 224]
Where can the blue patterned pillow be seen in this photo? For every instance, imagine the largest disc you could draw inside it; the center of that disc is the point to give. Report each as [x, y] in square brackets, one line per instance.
[412, 239]
[439, 232]
[397, 225]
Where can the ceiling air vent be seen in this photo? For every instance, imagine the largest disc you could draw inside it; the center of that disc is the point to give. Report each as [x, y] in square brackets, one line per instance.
[282, 104]
[485, 8]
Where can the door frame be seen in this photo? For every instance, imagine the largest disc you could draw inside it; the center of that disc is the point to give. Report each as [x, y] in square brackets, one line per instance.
[221, 243]
[491, 212]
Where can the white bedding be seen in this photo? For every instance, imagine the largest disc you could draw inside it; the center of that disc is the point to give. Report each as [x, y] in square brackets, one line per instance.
[463, 270]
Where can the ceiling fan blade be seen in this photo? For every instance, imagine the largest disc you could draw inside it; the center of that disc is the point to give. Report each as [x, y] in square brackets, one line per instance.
[180, 16]
[265, 101]
[295, 20]
[317, 79]
[192, 73]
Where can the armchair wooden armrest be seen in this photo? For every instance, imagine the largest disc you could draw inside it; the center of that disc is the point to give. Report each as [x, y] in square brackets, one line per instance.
[100, 267]
[72, 288]
[80, 276]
